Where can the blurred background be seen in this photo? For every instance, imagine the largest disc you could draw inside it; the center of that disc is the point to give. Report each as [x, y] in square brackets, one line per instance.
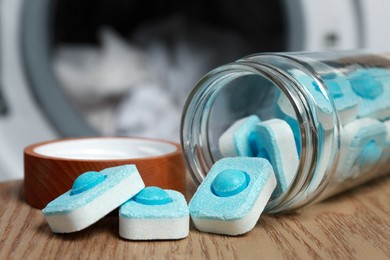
[73, 68]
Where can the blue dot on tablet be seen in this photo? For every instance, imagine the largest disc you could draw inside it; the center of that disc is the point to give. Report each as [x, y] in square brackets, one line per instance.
[153, 196]
[335, 89]
[366, 86]
[316, 87]
[87, 181]
[370, 154]
[230, 182]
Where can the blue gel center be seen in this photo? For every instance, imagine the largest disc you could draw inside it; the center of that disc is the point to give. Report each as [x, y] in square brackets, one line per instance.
[87, 181]
[335, 89]
[230, 182]
[367, 87]
[333, 86]
[370, 154]
[316, 87]
[152, 196]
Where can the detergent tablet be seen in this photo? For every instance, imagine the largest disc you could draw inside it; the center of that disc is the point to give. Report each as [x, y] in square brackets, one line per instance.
[361, 146]
[93, 195]
[372, 86]
[276, 143]
[345, 99]
[284, 110]
[154, 214]
[232, 196]
[313, 88]
[238, 139]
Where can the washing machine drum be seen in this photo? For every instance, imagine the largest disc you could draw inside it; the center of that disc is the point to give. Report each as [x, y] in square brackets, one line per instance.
[262, 26]
[52, 27]
[164, 45]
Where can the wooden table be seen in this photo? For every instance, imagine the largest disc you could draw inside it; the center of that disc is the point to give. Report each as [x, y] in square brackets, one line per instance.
[355, 224]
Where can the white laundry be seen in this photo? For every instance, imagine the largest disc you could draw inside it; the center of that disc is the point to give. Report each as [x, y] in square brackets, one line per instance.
[139, 87]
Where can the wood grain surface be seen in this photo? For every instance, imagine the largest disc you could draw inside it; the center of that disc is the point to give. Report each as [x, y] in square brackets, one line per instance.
[352, 225]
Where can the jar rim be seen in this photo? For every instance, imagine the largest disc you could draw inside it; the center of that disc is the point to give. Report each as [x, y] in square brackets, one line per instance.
[195, 146]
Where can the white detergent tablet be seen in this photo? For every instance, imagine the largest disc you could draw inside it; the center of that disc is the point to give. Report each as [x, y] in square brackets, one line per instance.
[345, 99]
[238, 139]
[372, 85]
[93, 195]
[362, 142]
[276, 143]
[154, 214]
[284, 105]
[325, 110]
[284, 110]
[231, 198]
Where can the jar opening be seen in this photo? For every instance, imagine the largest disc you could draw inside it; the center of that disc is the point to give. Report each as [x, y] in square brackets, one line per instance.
[241, 89]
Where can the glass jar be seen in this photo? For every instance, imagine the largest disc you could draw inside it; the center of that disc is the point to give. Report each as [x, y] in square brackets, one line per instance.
[336, 103]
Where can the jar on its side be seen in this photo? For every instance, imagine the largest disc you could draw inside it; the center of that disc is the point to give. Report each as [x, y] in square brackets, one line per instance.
[337, 104]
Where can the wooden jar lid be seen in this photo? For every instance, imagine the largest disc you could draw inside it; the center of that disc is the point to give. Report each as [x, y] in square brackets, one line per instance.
[50, 168]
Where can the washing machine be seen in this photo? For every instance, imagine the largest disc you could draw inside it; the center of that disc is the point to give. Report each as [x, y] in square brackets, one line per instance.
[34, 106]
